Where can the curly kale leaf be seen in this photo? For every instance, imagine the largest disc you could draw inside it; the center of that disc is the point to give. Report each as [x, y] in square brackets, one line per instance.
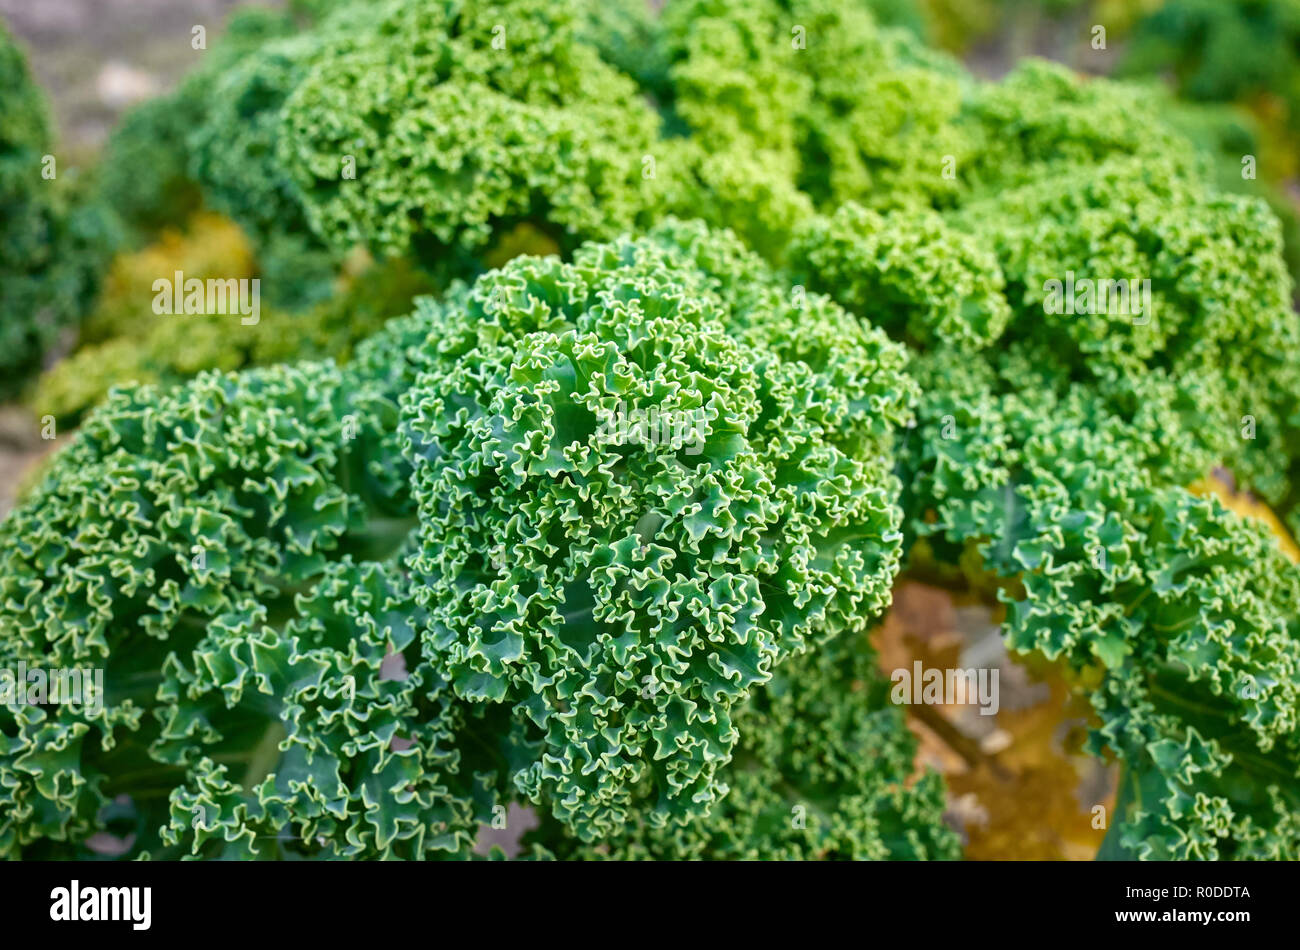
[624, 588]
[823, 771]
[1183, 613]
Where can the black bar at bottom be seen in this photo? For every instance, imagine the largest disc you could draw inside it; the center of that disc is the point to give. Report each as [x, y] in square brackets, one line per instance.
[378, 900]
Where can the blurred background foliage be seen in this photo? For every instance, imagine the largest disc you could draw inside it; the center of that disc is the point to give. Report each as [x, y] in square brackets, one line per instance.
[213, 201]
